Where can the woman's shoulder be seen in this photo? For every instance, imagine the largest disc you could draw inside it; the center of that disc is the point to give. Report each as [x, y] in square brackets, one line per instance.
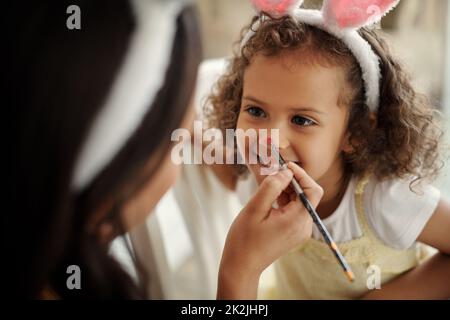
[48, 294]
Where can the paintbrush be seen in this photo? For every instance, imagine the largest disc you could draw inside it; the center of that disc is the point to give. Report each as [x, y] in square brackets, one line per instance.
[323, 230]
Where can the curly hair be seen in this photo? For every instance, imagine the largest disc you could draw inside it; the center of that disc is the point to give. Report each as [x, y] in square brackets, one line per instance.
[402, 139]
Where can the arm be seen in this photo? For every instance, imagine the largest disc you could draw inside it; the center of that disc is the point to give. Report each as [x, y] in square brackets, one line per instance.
[430, 280]
[260, 234]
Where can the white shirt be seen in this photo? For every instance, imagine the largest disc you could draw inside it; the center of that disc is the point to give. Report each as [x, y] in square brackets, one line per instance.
[396, 214]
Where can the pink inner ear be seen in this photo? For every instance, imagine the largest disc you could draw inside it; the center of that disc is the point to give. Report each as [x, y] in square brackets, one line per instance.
[278, 7]
[357, 13]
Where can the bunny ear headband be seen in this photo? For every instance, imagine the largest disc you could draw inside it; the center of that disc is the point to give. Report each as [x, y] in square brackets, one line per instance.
[140, 77]
[341, 18]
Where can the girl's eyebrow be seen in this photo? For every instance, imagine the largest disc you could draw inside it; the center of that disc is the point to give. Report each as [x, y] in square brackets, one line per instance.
[307, 109]
[299, 109]
[250, 98]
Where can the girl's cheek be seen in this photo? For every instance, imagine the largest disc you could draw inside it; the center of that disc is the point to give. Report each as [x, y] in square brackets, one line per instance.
[244, 149]
[242, 145]
[240, 124]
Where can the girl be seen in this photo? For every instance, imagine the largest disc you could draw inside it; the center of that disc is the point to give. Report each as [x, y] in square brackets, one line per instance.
[348, 115]
[93, 110]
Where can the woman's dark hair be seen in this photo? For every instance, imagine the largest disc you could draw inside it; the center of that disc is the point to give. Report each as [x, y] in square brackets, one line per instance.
[58, 80]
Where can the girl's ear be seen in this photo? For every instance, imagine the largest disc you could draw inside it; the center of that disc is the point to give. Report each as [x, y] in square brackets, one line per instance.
[346, 145]
[354, 14]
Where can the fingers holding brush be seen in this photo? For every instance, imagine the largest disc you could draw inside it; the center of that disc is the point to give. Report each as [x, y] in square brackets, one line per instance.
[271, 188]
[313, 191]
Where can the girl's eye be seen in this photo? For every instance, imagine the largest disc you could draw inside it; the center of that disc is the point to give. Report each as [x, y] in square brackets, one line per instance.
[256, 112]
[302, 121]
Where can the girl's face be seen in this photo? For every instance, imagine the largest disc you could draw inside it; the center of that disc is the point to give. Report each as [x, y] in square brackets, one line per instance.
[301, 100]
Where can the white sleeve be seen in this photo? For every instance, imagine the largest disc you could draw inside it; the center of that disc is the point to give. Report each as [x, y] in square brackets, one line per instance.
[397, 214]
[209, 73]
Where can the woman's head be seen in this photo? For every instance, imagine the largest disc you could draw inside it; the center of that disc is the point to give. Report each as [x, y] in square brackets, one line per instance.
[287, 66]
[58, 82]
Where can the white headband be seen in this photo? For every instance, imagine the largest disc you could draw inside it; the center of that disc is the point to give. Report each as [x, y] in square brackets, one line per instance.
[141, 76]
[342, 19]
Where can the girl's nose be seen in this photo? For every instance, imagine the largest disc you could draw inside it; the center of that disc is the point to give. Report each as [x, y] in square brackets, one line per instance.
[285, 147]
[277, 138]
[284, 141]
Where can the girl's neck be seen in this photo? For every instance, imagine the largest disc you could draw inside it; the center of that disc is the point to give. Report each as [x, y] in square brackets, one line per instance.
[334, 184]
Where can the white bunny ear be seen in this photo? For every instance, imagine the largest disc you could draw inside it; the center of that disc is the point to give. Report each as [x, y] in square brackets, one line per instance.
[276, 7]
[354, 14]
